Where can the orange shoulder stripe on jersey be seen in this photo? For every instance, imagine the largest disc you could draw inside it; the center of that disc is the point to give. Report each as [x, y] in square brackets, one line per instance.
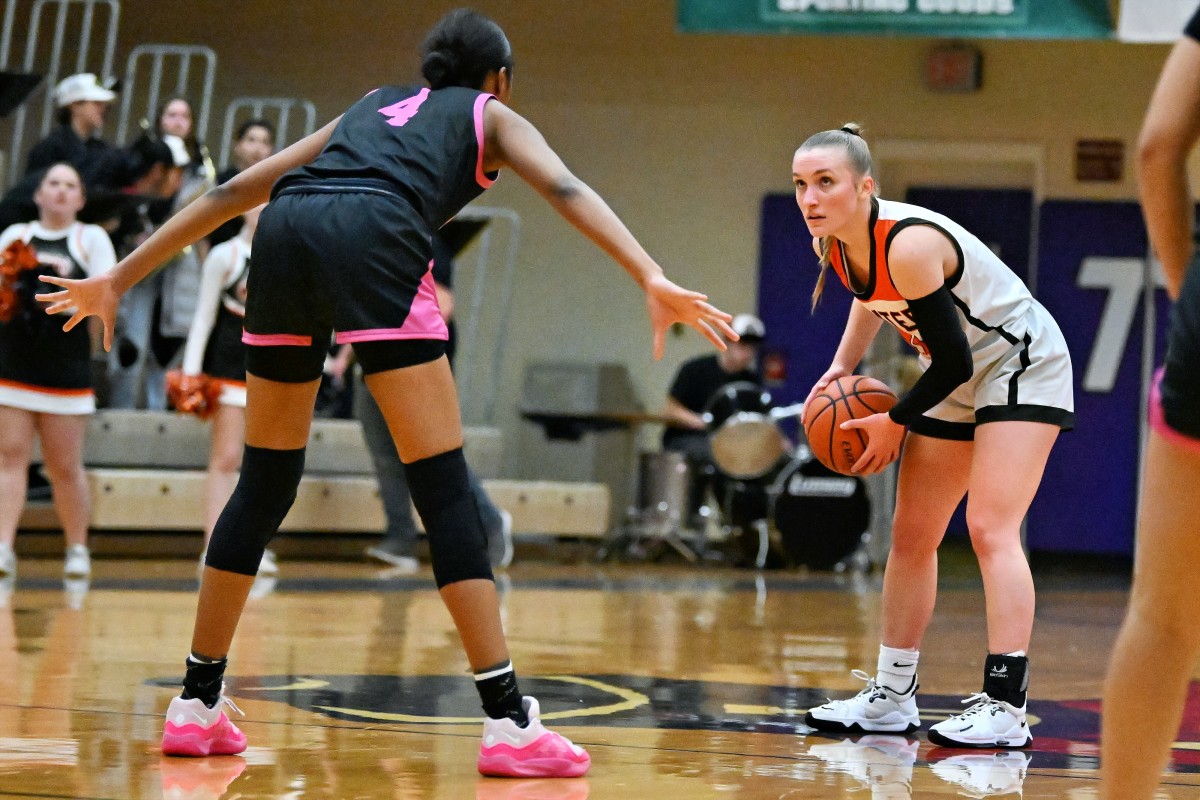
[884, 288]
[835, 261]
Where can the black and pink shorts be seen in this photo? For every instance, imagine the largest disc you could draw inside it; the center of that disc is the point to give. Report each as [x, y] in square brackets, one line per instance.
[1175, 397]
[356, 266]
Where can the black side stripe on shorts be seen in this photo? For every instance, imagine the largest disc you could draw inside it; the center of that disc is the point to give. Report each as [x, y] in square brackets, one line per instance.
[1012, 383]
[1008, 337]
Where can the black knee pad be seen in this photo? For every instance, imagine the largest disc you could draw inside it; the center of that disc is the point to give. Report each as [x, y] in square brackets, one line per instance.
[265, 491]
[288, 363]
[442, 495]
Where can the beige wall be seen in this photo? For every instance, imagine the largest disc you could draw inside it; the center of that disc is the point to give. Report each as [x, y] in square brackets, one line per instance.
[682, 134]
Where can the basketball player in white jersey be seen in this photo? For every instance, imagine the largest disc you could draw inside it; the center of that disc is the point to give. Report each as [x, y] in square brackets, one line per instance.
[981, 420]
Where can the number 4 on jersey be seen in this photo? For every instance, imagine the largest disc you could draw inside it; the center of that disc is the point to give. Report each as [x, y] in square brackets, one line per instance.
[400, 113]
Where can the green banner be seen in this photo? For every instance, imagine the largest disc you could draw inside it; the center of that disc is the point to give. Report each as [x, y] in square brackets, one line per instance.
[982, 19]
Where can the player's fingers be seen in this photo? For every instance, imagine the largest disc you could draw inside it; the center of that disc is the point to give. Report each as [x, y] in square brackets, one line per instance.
[660, 343]
[75, 319]
[709, 334]
[713, 311]
[851, 424]
[50, 297]
[57, 281]
[864, 462]
[108, 334]
[723, 325]
[61, 305]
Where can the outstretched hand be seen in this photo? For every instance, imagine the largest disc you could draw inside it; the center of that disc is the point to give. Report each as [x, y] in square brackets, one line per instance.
[667, 303]
[92, 296]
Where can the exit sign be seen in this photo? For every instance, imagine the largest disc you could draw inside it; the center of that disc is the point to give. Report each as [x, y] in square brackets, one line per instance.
[954, 68]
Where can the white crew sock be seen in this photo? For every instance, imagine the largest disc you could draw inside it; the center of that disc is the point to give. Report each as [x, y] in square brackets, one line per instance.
[897, 671]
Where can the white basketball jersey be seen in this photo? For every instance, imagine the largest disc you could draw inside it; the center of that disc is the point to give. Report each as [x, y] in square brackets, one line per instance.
[991, 300]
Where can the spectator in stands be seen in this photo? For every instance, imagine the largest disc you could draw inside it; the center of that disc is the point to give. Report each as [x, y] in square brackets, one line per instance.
[82, 105]
[155, 317]
[176, 118]
[398, 546]
[214, 369]
[45, 373]
[255, 141]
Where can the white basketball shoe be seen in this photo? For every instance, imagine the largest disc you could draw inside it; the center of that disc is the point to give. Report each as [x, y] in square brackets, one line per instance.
[873, 710]
[987, 723]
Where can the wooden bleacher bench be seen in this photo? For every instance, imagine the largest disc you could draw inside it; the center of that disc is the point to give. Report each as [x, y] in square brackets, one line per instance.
[146, 473]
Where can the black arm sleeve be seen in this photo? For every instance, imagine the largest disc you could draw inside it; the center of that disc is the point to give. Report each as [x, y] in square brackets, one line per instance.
[949, 354]
[1193, 26]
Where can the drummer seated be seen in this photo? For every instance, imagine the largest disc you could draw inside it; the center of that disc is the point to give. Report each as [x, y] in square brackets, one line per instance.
[699, 379]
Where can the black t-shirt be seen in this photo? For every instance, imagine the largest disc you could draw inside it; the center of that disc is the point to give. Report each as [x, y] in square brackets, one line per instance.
[63, 144]
[695, 384]
[1193, 26]
[228, 229]
[423, 145]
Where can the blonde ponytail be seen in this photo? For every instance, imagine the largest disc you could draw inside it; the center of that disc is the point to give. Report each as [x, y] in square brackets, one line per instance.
[826, 249]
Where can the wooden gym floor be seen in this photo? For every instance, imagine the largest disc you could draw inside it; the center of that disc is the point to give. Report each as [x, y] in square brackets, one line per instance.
[682, 682]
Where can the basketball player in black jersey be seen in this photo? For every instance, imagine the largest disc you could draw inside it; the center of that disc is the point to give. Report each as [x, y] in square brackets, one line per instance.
[1155, 654]
[344, 245]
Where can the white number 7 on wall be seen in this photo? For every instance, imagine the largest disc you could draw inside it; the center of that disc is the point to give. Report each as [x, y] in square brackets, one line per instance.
[1125, 282]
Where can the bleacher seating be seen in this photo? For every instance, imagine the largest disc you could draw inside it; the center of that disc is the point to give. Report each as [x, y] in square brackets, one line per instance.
[146, 473]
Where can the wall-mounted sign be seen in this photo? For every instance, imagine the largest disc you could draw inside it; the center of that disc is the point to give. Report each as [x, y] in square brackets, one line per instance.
[954, 68]
[1002, 19]
[1099, 160]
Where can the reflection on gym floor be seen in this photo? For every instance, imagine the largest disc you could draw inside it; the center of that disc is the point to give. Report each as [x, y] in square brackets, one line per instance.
[682, 683]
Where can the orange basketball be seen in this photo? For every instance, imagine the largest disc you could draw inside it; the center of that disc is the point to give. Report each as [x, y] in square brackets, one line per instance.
[852, 397]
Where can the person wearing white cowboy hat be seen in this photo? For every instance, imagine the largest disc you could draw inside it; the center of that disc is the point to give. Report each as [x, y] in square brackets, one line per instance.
[82, 103]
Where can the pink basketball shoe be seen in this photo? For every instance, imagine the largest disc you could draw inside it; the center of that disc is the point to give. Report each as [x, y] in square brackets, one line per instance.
[509, 751]
[194, 729]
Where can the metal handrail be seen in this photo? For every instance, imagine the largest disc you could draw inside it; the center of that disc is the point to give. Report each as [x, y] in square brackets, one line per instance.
[257, 107]
[159, 53]
[53, 70]
[470, 326]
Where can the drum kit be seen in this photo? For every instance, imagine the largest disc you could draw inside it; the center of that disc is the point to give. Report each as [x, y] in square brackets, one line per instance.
[764, 497]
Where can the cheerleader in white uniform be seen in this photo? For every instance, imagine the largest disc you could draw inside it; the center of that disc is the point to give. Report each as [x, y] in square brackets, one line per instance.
[45, 373]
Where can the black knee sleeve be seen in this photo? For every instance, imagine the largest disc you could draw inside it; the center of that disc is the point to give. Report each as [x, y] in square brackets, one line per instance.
[288, 363]
[388, 354]
[442, 494]
[265, 491]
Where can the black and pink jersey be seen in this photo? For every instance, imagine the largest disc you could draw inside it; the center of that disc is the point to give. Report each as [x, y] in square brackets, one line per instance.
[424, 145]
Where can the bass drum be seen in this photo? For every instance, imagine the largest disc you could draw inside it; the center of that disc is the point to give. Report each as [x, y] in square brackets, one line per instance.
[743, 438]
[819, 515]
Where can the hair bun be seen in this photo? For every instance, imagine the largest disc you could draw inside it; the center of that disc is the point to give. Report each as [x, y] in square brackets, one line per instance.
[439, 67]
[852, 128]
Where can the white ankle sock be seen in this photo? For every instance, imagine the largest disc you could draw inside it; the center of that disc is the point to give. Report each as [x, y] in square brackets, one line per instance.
[897, 670]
